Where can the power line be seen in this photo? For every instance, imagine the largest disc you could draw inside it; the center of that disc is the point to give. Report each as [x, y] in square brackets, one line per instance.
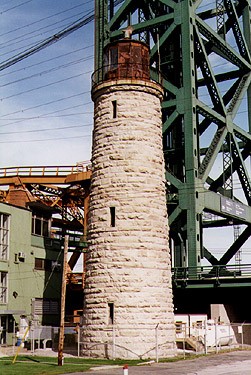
[47, 85]
[48, 29]
[45, 43]
[16, 6]
[53, 39]
[47, 103]
[45, 18]
[20, 39]
[47, 129]
[47, 139]
[39, 74]
[20, 50]
[47, 60]
[46, 115]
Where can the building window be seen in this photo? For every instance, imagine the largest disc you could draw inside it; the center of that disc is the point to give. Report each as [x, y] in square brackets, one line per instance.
[3, 287]
[112, 216]
[40, 225]
[4, 236]
[113, 58]
[45, 306]
[43, 264]
[111, 313]
[114, 109]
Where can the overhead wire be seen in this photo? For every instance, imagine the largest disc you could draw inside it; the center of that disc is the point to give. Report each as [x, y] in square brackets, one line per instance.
[47, 85]
[47, 115]
[18, 40]
[47, 139]
[46, 60]
[44, 18]
[47, 129]
[16, 6]
[53, 39]
[20, 50]
[47, 103]
[48, 41]
[48, 30]
[39, 74]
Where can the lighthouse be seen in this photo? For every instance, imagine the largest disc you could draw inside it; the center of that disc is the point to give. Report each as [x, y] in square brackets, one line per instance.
[128, 307]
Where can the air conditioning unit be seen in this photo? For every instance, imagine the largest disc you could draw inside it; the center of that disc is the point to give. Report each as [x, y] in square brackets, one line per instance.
[21, 255]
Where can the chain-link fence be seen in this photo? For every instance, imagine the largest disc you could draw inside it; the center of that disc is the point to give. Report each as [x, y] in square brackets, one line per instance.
[126, 342]
[200, 337]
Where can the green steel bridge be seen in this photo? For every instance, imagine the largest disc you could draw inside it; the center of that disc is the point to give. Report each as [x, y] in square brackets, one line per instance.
[202, 51]
[212, 276]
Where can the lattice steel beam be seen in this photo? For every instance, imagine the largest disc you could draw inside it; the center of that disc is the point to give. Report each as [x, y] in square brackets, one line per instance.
[200, 105]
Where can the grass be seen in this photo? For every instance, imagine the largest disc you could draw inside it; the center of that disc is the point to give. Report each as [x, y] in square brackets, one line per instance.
[34, 365]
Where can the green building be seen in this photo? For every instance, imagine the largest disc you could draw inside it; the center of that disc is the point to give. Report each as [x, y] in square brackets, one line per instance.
[30, 270]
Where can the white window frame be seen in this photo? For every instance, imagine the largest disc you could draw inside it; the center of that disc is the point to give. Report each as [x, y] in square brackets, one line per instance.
[42, 219]
[3, 287]
[4, 236]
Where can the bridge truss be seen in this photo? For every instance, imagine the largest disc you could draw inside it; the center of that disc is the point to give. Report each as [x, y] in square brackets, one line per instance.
[203, 53]
[64, 191]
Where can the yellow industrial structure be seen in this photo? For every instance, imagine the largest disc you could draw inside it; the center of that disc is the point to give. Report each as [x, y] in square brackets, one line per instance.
[65, 190]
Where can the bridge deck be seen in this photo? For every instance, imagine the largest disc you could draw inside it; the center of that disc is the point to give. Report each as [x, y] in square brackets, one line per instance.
[212, 276]
[45, 174]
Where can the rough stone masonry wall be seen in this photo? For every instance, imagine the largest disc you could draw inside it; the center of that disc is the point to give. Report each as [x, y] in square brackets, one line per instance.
[128, 282]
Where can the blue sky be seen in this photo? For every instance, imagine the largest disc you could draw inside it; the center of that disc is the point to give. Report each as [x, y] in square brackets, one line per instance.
[46, 107]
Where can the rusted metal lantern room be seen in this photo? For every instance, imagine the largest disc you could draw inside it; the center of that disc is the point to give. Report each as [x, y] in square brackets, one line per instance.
[126, 59]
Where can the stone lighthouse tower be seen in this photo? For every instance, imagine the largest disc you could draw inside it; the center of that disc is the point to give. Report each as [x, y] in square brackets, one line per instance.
[128, 306]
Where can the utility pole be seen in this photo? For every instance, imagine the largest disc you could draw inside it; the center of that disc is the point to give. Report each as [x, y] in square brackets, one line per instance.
[62, 315]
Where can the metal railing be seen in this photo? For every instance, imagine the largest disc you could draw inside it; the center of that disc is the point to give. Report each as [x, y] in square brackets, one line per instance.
[210, 336]
[219, 272]
[199, 338]
[34, 171]
[125, 71]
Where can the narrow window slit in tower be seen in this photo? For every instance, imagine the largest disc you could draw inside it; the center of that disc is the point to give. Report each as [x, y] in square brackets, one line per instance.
[114, 108]
[111, 313]
[112, 214]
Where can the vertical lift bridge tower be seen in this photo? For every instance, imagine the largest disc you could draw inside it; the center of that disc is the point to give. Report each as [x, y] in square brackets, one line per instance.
[202, 50]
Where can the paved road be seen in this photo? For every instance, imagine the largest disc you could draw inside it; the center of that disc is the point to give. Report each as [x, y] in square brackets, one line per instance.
[233, 363]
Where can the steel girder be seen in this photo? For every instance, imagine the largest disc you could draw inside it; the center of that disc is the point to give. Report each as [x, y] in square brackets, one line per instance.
[203, 53]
